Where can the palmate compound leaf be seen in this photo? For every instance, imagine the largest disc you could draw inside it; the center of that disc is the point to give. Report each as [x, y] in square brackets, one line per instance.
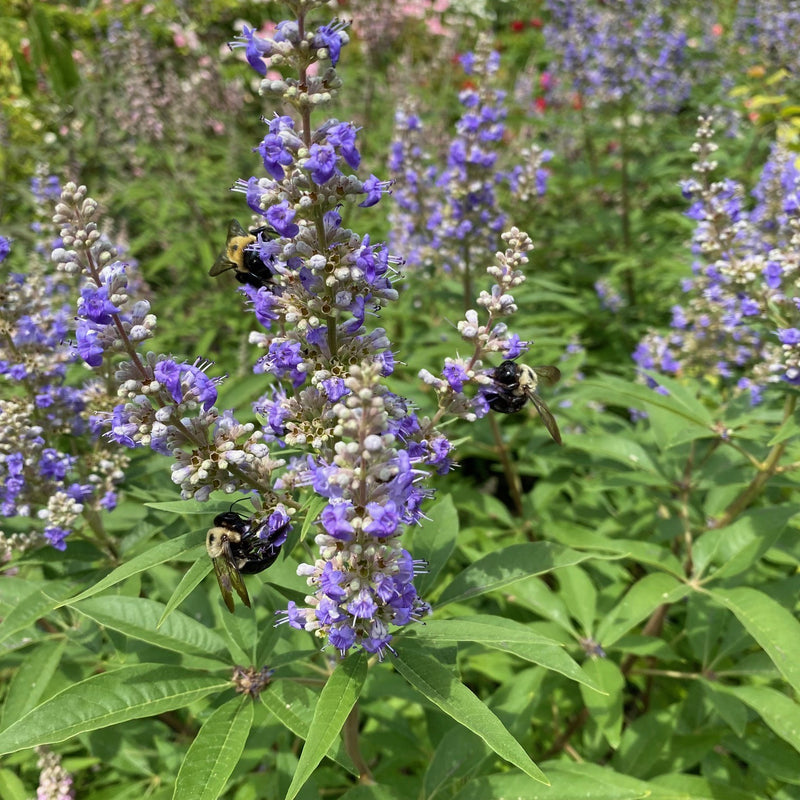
[426, 674]
[780, 712]
[216, 751]
[134, 692]
[335, 703]
[770, 624]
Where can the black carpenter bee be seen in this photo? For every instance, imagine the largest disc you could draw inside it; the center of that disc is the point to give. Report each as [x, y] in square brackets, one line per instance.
[515, 384]
[237, 547]
[238, 255]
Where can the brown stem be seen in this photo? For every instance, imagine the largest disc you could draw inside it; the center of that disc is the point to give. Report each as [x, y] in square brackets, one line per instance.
[766, 471]
[350, 733]
[577, 722]
[509, 468]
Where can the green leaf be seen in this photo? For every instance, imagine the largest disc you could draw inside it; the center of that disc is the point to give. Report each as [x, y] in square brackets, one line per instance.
[441, 687]
[644, 552]
[216, 751]
[738, 546]
[293, 705]
[576, 782]
[643, 741]
[182, 507]
[617, 448]
[693, 787]
[770, 624]
[458, 753]
[780, 712]
[160, 553]
[139, 617]
[578, 593]
[11, 787]
[338, 697]
[189, 582]
[134, 692]
[680, 403]
[731, 710]
[30, 681]
[606, 709]
[506, 566]
[508, 636]
[434, 541]
[35, 605]
[644, 597]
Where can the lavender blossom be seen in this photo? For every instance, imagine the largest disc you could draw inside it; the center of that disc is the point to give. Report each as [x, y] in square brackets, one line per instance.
[485, 339]
[46, 407]
[365, 450]
[166, 405]
[450, 218]
[741, 306]
[633, 51]
[55, 783]
[769, 31]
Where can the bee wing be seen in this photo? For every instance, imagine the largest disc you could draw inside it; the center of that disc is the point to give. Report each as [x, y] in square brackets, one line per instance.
[222, 264]
[547, 418]
[229, 577]
[549, 375]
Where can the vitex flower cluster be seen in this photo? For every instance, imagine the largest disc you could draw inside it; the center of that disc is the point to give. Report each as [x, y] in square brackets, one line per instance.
[55, 783]
[168, 405]
[365, 453]
[633, 50]
[450, 217]
[492, 336]
[770, 30]
[53, 467]
[361, 448]
[741, 318]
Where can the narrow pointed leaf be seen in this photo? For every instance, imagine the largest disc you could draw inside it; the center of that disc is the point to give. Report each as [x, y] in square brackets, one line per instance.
[165, 551]
[445, 690]
[506, 566]
[338, 697]
[216, 751]
[139, 618]
[605, 708]
[780, 712]
[565, 786]
[293, 705]
[189, 582]
[36, 604]
[141, 690]
[434, 541]
[641, 600]
[508, 636]
[770, 624]
[28, 684]
[680, 404]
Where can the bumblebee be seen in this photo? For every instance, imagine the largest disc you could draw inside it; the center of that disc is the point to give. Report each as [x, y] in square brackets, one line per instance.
[248, 266]
[236, 547]
[515, 384]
